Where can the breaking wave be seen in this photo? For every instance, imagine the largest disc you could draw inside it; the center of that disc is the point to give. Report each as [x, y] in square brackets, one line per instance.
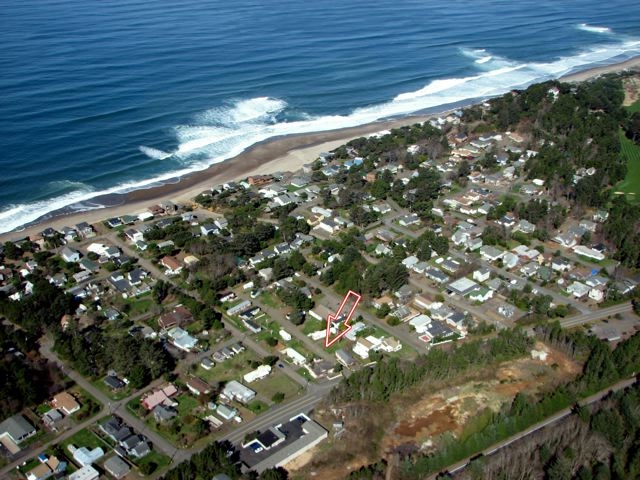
[154, 153]
[220, 133]
[594, 29]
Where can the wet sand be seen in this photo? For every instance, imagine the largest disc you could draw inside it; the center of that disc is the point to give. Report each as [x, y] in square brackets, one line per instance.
[286, 154]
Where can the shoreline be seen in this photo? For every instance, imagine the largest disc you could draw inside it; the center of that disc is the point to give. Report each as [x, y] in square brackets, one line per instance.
[286, 154]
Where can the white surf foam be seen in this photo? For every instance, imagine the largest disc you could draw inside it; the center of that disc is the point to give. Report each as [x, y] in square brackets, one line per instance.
[594, 29]
[221, 133]
[154, 153]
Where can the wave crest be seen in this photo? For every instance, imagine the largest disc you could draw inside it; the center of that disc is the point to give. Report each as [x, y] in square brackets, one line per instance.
[594, 29]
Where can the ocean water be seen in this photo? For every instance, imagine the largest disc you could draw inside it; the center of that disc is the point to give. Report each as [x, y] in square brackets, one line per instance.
[111, 96]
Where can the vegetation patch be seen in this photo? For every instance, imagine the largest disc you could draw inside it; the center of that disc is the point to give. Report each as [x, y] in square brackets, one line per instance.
[630, 186]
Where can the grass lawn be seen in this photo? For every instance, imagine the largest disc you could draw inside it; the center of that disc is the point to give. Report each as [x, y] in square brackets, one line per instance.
[140, 305]
[631, 184]
[235, 321]
[276, 382]
[30, 465]
[313, 325]
[230, 369]
[89, 406]
[270, 300]
[634, 107]
[186, 403]
[258, 407]
[156, 458]
[85, 438]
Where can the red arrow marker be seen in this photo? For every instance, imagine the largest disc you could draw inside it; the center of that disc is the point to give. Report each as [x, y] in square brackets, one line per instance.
[343, 316]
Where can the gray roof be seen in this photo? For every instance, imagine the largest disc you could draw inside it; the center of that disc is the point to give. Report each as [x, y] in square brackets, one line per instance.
[116, 467]
[17, 427]
[300, 435]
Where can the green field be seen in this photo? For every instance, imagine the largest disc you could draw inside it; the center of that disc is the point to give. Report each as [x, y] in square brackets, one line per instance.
[276, 382]
[231, 369]
[631, 184]
[85, 438]
[634, 107]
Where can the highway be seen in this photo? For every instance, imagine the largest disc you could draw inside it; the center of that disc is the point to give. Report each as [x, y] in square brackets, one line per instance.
[583, 318]
[538, 426]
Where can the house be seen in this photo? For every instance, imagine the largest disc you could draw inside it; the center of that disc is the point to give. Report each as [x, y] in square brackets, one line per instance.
[530, 269]
[135, 446]
[482, 274]
[588, 252]
[258, 374]
[49, 466]
[66, 402]
[390, 344]
[525, 226]
[362, 347]
[116, 467]
[510, 260]
[410, 261]
[328, 226]
[462, 286]
[560, 264]
[345, 358]
[83, 456]
[578, 289]
[85, 473]
[85, 230]
[491, 253]
[182, 340]
[115, 429]
[197, 386]
[408, 220]
[160, 396]
[234, 390]
[208, 229]
[473, 244]
[597, 294]
[16, 429]
[134, 235]
[206, 363]
[296, 357]
[436, 275]
[114, 383]
[52, 417]
[172, 265]
[481, 294]
[419, 323]
[179, 317]
[565, 239]
[70, 255]
[164, 413]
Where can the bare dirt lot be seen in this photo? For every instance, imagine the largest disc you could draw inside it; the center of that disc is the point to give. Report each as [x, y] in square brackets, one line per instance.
[414, 420]
[631, 90]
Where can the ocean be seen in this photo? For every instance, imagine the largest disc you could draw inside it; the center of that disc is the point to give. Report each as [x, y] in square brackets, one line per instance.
[111, 96]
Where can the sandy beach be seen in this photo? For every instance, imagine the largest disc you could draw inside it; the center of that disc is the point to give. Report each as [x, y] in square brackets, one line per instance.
[286, 154]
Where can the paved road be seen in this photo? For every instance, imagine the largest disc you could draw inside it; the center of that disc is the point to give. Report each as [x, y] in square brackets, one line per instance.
[538, 426]
[282, 412]
[595, 315]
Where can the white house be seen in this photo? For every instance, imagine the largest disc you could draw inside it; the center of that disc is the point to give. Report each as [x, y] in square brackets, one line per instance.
[482, 274]
[588, 252]
[296, 357]
[259, 373]
[70, 255]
